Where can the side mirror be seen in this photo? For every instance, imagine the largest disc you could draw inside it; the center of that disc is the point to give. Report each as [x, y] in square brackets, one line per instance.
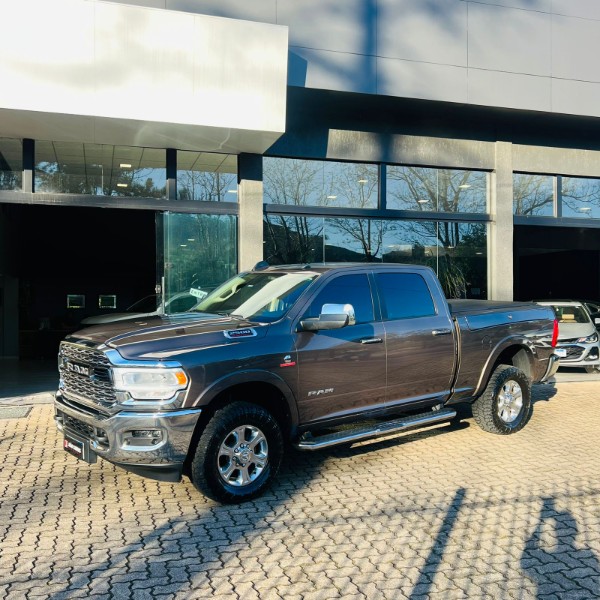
[333, 316]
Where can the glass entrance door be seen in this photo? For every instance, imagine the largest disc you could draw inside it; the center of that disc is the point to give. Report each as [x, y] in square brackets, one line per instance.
[198, 253]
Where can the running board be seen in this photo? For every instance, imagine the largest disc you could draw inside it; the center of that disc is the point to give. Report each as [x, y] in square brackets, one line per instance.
[363, 433]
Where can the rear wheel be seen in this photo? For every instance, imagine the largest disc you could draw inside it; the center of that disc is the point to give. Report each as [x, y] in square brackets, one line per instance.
[594, 369]
[238, 453]
[505, 405]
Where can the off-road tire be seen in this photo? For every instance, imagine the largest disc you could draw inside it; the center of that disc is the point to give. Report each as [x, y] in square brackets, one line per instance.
[499, 410]
[221, 437]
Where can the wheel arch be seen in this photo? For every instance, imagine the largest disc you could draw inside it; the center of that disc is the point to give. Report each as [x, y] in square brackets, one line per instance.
[257, 387]
[511, 353]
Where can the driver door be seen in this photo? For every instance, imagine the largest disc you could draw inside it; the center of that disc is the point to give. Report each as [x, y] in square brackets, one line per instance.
[341, 371]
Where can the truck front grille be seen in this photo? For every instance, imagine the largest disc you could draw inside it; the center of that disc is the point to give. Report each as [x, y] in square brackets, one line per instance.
[85, 373]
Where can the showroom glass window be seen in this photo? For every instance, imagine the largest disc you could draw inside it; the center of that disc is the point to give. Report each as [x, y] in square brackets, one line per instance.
[320, 183]
[200, 253]
[533, 195]
[206, 176]
[97, 169]
[456, 251]
[439, 190]
[580, 197]
[11, 164]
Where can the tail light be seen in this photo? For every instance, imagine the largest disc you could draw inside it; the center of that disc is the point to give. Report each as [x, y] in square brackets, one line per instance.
[554, 334]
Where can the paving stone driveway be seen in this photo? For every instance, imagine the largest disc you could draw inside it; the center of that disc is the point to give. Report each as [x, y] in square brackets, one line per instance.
[450, 512]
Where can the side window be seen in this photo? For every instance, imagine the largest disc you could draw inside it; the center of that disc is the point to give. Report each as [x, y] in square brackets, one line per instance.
[404, 295]
[346, 289]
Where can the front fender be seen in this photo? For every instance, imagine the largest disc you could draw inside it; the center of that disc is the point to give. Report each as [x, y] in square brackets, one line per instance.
[228, 381]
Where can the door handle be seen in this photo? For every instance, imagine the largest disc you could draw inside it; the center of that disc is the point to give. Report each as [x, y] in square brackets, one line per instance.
[374, 340]
[441, 332]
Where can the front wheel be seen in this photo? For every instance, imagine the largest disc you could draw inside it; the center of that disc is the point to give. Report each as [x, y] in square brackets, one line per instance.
[505, 405]
[238, 453]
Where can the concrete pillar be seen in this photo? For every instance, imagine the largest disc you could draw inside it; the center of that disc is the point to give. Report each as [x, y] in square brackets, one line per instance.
[250, 221]
[500, 247]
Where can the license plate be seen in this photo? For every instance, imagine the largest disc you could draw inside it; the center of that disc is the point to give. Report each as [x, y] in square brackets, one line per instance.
[79, 447]
[560, 352]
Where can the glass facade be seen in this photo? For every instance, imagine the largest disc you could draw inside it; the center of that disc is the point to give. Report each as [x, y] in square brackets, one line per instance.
[207, 177]
[440, 190]
[533, 195]
[456, 251]
[580, 197]
[11, 164]
[200, 252]
[74, 168]
[320, 183]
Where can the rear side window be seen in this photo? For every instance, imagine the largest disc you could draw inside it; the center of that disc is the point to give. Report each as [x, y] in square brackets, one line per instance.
[404, 295]
[346, 289]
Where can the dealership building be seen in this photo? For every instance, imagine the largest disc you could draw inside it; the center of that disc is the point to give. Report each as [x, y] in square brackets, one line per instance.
[152, 149]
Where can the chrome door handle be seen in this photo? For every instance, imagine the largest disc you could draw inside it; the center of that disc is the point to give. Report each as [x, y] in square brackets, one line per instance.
[374, 340]
[441, 332]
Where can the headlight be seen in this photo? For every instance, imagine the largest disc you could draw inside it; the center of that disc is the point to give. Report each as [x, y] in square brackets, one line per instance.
[590, 339]
[150, 384]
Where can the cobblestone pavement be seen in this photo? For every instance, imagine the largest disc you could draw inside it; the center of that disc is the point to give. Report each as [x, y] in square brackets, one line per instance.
[450, 512]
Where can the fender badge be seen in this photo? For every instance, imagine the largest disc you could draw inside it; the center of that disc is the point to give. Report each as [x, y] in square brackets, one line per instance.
[287, 361]
[234, 334]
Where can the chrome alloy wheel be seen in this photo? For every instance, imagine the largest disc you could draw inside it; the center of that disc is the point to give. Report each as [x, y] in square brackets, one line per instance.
[243, 455]
[510, 401]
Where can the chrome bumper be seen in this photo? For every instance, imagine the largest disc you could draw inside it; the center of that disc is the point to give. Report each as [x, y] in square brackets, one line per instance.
[553, 364]
[152, 444]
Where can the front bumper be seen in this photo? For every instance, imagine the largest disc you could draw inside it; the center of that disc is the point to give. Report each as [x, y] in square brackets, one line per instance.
[152, 444]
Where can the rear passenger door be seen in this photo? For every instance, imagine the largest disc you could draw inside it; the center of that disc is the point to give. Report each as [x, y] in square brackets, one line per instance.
[420, 340]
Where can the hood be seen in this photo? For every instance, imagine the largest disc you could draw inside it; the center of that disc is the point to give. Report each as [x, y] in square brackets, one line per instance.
[162, 337]
[109, 318]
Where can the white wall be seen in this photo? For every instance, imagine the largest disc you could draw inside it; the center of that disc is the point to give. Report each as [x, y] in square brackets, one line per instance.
[525, 54]
[111, 73]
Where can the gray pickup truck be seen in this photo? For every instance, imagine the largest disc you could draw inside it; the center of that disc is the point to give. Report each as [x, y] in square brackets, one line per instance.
[309, 356]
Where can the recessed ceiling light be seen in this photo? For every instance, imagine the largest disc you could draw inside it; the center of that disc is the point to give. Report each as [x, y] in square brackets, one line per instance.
[183, 245]
[232, 191]
[363, 181]
[464, 186]
[191, 239]
[125, 166]
[121, 185]
[585, 208]
[422, 201]
[331, 197]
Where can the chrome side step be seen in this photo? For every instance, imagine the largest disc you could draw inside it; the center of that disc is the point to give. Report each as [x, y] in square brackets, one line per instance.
[308, 442]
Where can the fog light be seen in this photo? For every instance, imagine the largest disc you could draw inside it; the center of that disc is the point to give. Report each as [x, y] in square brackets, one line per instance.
[142, 437]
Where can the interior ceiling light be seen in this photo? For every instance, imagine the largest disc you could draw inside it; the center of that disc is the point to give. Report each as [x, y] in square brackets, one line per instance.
[422, 201]
[585, 208]
[191, 239]
[232, 191]
[183, 245]
[331, 197]
[363, 181]
[125, 166]
[121, 185]
[464, 186]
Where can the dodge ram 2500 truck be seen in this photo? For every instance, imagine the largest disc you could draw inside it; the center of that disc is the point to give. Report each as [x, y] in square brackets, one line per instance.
[312, 355]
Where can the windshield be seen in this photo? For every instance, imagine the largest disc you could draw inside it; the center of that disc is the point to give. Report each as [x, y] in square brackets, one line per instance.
[262, 297]
[571, 314]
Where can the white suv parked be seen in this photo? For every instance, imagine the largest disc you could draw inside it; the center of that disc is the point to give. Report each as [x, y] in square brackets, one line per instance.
[577, 335]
